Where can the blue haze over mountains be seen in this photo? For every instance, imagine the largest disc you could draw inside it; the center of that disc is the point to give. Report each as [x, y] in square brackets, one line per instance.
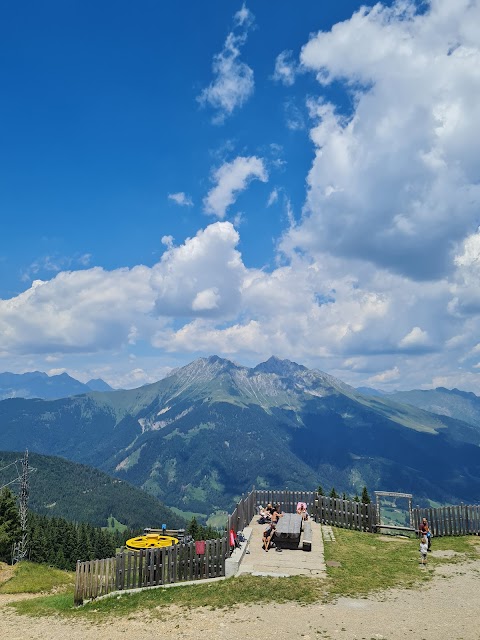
[207, 432]
[37, 384]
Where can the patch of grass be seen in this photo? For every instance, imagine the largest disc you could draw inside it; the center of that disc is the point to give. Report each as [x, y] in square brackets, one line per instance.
[29, 577]
[217, 520]
[188, 515]
[464, 545]
[226, 593]
[368, 563]
[114, 525]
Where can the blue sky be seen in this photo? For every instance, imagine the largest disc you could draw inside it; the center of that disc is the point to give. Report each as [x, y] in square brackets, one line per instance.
[230, 178]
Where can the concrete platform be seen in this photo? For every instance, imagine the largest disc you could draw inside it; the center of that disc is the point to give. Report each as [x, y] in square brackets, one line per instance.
[288, 562]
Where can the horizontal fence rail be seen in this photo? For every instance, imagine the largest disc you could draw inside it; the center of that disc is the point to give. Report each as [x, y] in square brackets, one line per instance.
[459, 520]
[346, 513]
[288, 499]
[243, 513]
[150, 567]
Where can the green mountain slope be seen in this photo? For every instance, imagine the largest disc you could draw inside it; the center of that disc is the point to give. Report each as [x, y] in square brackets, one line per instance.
[453, 403]
[202, 436]
[80, 493]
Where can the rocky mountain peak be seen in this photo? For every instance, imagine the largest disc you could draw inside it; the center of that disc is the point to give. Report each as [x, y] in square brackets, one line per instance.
[279, 367]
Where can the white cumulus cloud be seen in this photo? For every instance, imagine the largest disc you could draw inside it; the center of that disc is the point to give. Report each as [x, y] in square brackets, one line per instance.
[232, 178]
[385, 376]
[395, 182]
[415, 338]
[201, 277]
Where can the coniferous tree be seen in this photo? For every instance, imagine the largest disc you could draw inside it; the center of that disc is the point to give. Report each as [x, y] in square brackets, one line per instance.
[365, 496]
[193, 529]
[36, 538]
[333, 493]
[84, 547]
[209, 533]
[105, 545]
[60, 543]
[70, 545]
[10, 530]
[320, 490]
[60, 560]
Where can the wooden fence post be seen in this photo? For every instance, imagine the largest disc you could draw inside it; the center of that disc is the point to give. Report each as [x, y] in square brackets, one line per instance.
[78, 593]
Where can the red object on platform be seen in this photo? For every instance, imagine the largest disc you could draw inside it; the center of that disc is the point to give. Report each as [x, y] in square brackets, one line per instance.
[200, 547]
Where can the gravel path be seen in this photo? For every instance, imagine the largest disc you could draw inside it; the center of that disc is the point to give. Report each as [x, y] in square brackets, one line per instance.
[447, 609]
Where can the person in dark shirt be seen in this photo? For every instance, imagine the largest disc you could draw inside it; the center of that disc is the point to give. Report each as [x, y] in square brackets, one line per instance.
[268, 536]
[424, 530]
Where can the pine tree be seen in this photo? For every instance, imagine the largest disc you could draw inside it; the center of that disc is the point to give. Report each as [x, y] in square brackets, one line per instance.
[105, 545]
[194, 529]
[333, 493]
[37, 542]
[70, 546]
[60, 560]
[84, 547]
[320, 490]
[365, 496]
[10, 530]
[209, 533]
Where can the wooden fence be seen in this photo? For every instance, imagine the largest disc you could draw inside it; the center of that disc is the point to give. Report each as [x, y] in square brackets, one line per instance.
[345, 513]
[288, 499]
[246, 509]
[150, 567]
[94, 578]
[460, 520]
[243, 513]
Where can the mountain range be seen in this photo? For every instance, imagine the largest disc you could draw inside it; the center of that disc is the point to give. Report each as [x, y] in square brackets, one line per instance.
[206, 433]
[463, 405]
[36, 384]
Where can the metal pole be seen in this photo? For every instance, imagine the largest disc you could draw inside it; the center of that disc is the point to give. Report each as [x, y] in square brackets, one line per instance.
[20, 550]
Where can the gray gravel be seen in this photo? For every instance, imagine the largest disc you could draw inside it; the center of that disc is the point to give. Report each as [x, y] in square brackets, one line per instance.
[447, 609]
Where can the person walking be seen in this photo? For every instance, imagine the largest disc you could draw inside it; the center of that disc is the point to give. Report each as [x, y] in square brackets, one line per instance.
[423, 550]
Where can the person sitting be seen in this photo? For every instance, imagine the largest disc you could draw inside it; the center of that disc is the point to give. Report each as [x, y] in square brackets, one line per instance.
[268, 536]
[264, 516]
[270, 508]
[302, 510]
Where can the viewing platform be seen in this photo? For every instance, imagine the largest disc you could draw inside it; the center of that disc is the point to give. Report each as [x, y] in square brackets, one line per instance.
[288, 562]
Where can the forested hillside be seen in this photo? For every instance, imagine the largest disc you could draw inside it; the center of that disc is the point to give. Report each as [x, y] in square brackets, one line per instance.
[80, 493]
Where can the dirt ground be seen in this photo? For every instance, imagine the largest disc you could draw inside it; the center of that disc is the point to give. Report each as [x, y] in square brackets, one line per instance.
[447, 609]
